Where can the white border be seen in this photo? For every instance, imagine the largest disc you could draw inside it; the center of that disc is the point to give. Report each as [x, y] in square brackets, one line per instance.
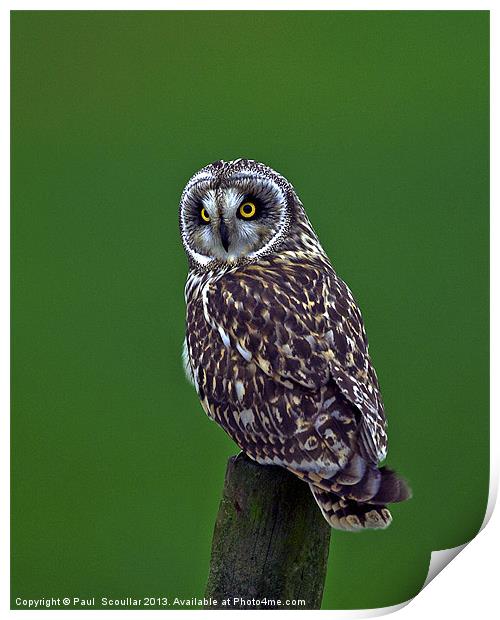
[455, 591]
[261, 5]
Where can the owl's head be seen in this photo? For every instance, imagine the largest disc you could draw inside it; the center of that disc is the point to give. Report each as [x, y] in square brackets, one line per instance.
[234, 211]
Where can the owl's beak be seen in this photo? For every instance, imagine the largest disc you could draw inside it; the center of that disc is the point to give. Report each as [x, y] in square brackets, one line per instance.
[224, 235]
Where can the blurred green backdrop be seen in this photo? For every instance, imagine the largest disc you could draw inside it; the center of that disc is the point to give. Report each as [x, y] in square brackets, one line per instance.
[380, 120]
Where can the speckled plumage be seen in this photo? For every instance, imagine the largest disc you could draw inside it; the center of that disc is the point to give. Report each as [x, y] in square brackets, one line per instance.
[276, 347]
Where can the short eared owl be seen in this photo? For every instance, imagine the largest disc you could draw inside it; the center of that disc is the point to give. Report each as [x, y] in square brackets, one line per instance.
[275, 343]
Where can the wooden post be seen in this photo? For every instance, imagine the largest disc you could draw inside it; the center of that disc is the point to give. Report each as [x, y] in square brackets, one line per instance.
[270, 541]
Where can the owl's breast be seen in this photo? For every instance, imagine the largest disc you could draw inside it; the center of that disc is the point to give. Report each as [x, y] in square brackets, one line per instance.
[233, 390]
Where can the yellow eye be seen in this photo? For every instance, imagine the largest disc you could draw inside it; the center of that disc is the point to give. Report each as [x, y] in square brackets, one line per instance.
[247, 210]
[204, 215]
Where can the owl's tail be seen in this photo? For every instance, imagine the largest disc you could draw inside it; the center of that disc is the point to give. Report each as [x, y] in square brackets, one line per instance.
[346, 514]
[365, 482]
[355, 497]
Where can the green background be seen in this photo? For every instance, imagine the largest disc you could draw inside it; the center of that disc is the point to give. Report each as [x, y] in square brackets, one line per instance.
[380, 120]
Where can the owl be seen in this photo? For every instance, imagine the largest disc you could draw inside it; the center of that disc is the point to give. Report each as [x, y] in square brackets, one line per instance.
[275, 343]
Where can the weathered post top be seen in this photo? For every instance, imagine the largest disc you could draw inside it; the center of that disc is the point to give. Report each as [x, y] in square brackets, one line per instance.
[270, 541]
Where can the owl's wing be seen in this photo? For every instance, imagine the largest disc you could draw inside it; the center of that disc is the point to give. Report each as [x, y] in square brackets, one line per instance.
[301, 325]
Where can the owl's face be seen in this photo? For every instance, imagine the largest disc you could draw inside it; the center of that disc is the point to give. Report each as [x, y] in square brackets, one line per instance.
[234, 210]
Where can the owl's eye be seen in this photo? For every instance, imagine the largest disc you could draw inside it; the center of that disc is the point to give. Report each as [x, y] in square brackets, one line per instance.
[247, 210]
[204, 215]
